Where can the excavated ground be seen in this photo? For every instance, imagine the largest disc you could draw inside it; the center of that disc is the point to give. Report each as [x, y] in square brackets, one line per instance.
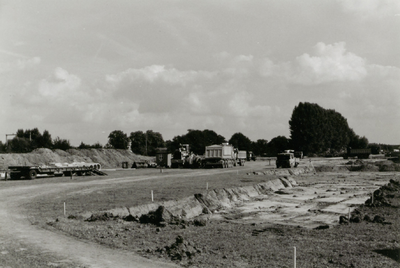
[257, 225]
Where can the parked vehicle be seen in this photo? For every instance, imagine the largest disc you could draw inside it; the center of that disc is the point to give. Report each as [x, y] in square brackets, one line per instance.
[359, 153]
[241, 157]
[251, 156]
[179, 156]
[31, 172]
[286, 160]
[222, 156]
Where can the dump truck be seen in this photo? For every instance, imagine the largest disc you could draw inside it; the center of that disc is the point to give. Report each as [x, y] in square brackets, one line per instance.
[222, 156]
[55, 169]
[286, 160]
[359, 153]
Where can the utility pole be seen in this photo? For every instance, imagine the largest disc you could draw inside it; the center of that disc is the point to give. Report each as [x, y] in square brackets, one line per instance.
[9, 135]
[146, 142]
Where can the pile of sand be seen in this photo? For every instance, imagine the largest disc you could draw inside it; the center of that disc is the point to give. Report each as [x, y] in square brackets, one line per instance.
[108, 158]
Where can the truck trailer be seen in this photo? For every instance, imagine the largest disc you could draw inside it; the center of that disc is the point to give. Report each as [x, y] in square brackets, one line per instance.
[359, 153]
[31, 172]
[221, 156]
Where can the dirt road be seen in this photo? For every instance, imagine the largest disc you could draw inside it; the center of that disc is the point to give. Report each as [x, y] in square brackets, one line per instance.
[24, 244]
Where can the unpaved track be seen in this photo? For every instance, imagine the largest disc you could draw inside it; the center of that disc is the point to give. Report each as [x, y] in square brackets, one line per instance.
[26, 242]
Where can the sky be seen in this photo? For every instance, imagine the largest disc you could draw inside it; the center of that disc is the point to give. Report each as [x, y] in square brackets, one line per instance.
[82, 69]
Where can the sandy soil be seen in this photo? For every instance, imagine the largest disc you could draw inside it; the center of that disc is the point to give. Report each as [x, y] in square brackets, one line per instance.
[318, 199]
[24, 244]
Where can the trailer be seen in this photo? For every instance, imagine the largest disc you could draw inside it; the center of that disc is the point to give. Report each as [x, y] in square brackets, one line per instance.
[222, 156]
[359, 153]
[57, 170]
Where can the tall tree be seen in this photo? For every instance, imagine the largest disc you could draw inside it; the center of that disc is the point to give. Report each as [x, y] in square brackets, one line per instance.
[61, 144]
[118, 139]
[240, 141]
[146, 143]
[260, 147]
[278, 145]
[314, 129]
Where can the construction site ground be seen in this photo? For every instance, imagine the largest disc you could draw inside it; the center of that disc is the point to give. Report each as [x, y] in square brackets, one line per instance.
[255, 217]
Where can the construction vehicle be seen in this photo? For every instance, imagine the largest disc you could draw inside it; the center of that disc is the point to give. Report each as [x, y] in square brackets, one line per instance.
[179, 156]
[250, 156]
[359, 153]
[163, 158]
[241, 157]
[222, 156]
[55, 169]
[183, 158]
[286, 160]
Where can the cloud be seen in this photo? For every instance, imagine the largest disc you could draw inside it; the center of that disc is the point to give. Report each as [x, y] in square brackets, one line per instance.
[62, 86]
[23, 63]
[371, 8]
[28, 63]
[329, 63]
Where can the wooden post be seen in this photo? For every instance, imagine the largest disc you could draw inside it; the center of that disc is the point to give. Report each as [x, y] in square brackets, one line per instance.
[349, 214]
[5, 176]
[152, 197]
[294, 257]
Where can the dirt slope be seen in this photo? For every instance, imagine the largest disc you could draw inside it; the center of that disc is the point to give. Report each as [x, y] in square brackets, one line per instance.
[108, 158]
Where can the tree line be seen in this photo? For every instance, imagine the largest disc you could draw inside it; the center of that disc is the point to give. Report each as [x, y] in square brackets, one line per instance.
[26, 141]
[313, 130]
[320, 131]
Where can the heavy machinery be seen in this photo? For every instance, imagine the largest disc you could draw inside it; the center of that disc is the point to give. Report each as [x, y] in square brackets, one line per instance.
[55, 169]
[359, 153]
[179, 156]
[286, 160]
[183, 158]
[222, 156]
[251, 156]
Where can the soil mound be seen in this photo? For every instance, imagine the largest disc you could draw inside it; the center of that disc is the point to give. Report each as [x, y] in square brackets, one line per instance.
[388, 195]
[108, 158]
[181, 249]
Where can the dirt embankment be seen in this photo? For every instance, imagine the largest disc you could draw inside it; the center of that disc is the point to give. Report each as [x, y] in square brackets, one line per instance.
[108, 158]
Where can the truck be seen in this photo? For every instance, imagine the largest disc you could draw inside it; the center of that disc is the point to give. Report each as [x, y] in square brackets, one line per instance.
[220, 155]
[55, 169]
[286, 160]
[359, 153]
[163, 158]
[241, 157]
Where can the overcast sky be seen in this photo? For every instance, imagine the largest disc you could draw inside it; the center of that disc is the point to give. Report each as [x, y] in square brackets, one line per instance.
[81, 69]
